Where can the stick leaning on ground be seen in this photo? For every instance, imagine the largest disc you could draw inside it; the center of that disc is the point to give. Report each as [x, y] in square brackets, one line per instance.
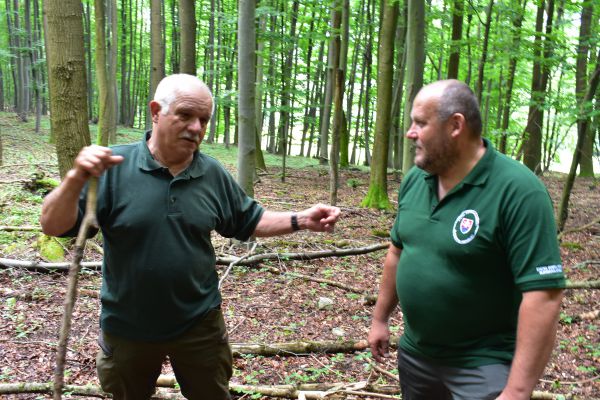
[89, 220]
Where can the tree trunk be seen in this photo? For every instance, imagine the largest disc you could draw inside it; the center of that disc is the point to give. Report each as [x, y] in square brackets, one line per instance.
[246, 102]
[512, 67]
[187, 18]
[532, 144]
[338, 98]
[377, 197]
[457, 23]
[583, 119]
[329, 88]
[102, 72]
[22, 103]
[368, 67]
[157, 52]
[258, 113]
[67, 80]
[586, 164]
[397, 130]
[415, 56]
[484, 50]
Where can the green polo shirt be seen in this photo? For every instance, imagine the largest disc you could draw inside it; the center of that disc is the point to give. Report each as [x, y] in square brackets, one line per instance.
[467, 259]
[159, 272]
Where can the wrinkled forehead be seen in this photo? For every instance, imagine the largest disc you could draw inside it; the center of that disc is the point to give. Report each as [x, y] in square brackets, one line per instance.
[195, 97]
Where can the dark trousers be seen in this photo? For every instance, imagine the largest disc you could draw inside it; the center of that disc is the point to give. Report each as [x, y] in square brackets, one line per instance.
[201, 359]
[421, 379]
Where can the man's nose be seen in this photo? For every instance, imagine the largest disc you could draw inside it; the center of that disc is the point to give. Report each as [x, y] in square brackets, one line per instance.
[411, 133]
[195, 125]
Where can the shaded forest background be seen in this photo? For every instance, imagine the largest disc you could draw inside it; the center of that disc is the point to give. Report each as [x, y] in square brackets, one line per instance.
[332, 80]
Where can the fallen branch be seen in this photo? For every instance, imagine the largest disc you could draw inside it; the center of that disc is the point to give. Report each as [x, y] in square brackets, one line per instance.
[20, 228]
[306, 255]
[384, 372]
[330, 282]
[303, 347]
[586, 316]
[583, 284]
[579, 229]
[236, 262]
[585, 263]
[308, 390]
[14, 181]
[44, 266]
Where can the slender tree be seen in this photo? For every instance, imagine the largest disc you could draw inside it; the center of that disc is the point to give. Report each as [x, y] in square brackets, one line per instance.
[157, 51]
[377, 196]
[187, 17]
[457, 24]
[246, 107]
[338, 98]
[415, 56]
[532, 144]
[517, 22]
[583, 118]
[586, 164]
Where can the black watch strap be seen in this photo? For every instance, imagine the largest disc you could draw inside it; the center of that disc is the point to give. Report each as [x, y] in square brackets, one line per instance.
[294, 220]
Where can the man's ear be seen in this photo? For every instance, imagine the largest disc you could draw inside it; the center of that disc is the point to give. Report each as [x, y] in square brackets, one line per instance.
[155, 110]
[457, 124]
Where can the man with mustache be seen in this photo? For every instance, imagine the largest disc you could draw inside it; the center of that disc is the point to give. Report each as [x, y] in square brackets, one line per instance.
[158, 202]
[474, 262]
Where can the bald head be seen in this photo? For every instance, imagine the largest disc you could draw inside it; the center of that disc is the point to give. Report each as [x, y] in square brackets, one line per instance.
[170, 87]
[453, 97]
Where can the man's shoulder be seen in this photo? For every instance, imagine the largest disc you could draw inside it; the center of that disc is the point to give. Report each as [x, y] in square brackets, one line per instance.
[209, 162]
[125, 149]
[512, 172]
[414, 175]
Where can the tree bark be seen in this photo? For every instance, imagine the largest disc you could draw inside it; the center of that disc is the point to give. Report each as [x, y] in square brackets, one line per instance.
[582, 123]
[157, 52]
[457, 23]
[187, 18]
[415, 56]
[338, 98]
[67, 79]
[246, 100]
[586, 163]
[377, 196]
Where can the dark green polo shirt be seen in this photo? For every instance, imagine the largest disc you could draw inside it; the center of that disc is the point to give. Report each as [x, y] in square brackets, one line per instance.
[466, 260]
[159, 272]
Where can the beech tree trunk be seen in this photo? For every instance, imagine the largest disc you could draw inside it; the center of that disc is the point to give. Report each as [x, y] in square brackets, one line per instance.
[377, 196]
[67, 79]
[415, 57]
[246, 101]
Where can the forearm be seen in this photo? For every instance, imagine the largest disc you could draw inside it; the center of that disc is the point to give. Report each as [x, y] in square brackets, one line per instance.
[273, 223]
[536, 333]
[318, 218]
[60, 207]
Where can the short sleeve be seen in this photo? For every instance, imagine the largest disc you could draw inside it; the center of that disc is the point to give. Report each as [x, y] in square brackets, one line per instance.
[242, 213]
[532, 246]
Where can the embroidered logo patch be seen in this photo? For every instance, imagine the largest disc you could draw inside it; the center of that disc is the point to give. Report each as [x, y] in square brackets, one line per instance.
[465, 227]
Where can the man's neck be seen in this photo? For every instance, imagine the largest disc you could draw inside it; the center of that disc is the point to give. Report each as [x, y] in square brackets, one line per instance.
[464, 164]
[175, 165]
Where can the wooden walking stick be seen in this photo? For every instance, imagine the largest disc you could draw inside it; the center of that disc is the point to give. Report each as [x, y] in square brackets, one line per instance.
[89, 220]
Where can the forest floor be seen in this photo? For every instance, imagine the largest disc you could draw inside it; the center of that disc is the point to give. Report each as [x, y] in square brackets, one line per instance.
[259, 306]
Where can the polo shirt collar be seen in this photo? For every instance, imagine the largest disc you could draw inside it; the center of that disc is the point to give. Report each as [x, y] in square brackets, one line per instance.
[147, 163]
[481, 171]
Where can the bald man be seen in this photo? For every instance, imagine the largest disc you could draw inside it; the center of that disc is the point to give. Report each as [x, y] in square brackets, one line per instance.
[474, 262]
